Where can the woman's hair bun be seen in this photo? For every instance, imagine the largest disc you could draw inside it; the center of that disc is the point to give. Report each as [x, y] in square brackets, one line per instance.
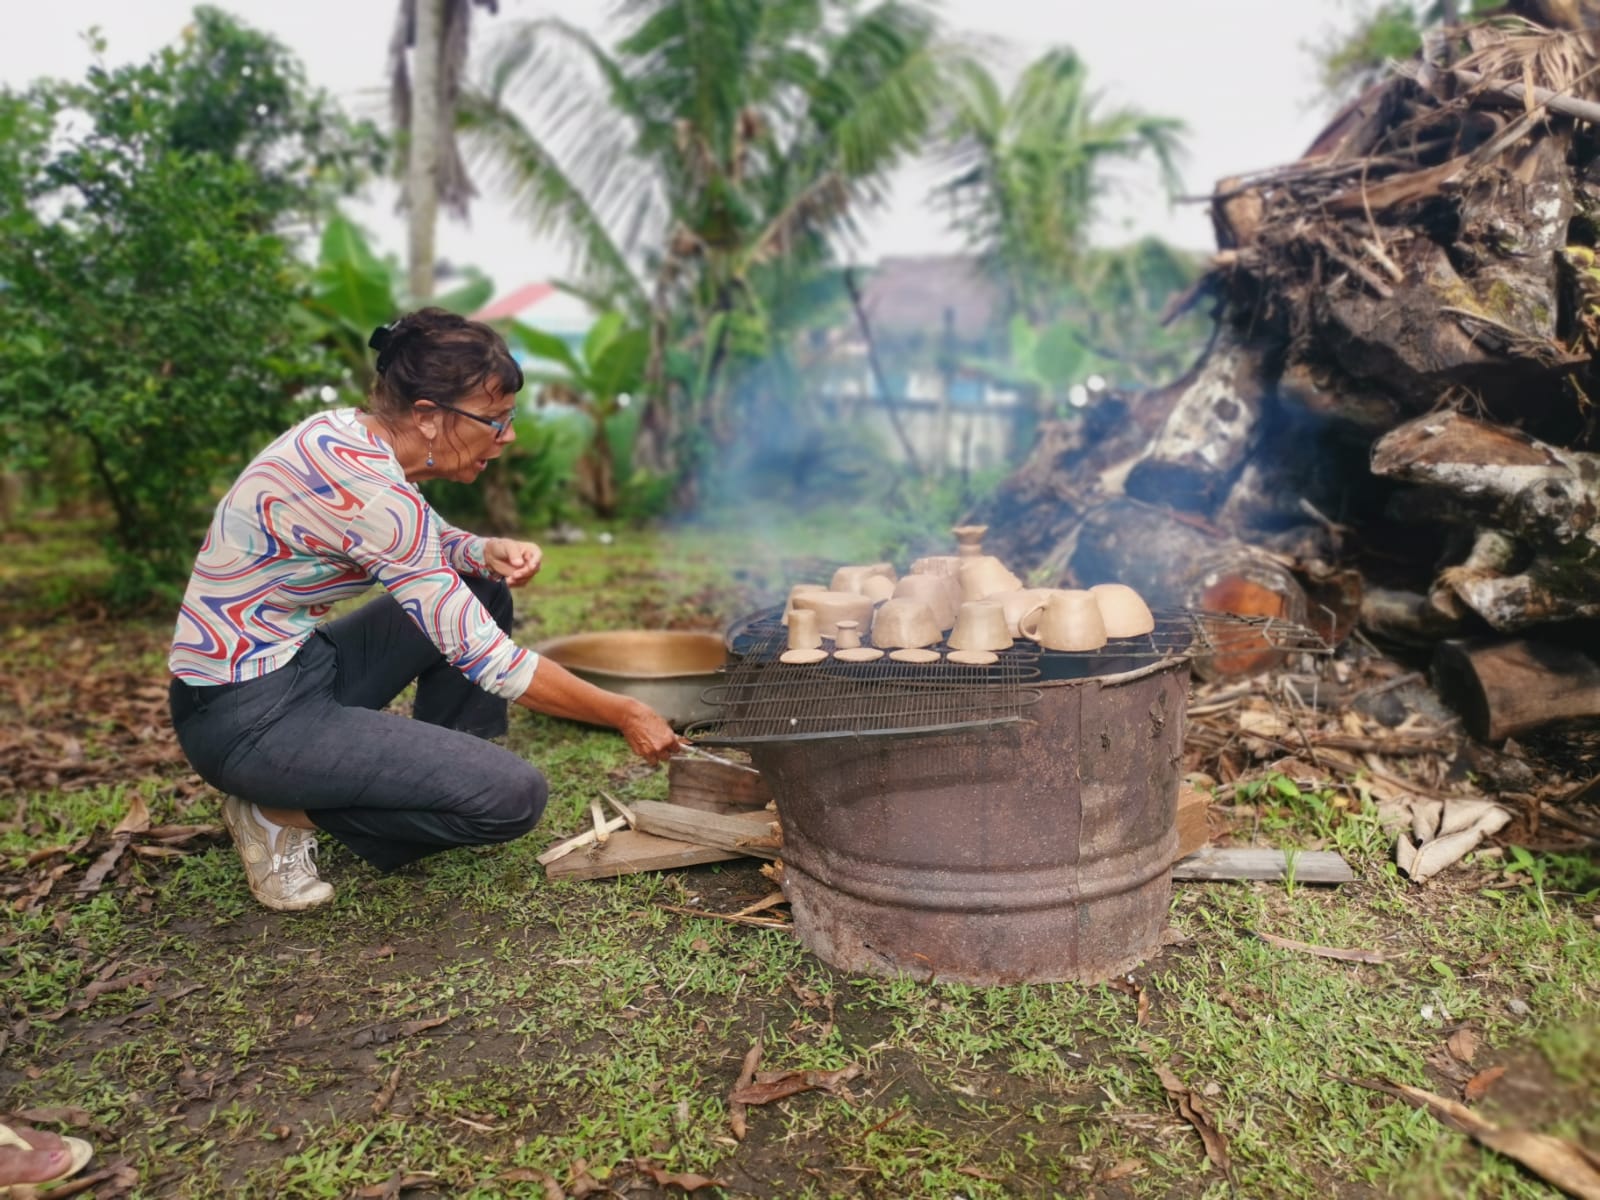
[383, 341]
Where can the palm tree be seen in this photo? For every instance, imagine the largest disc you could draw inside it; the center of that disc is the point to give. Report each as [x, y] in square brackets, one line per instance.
[711, 144]
[1030, 170]
[436, 32]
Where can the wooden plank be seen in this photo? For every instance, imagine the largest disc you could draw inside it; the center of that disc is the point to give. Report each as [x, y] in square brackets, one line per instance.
[1193, 830]
[630, 852]
[713, 787]
[1310, 866]
[753, 833]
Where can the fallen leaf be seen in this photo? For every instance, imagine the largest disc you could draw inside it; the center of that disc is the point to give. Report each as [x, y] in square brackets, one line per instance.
[411, 1028]
[1559, 1162]
[1283, 943]
[137, 818]
[1478, 1086]
[552, 1189]
[1463, 1044]
[386, 1093]
[581, 1183]
[769, 1086]
[974, 1173]
[1192, 1110]
[688, 1182]
[384, 951]
[48, 852]
[747, 1074]
[1119, 1170]
[1143, 1014]
[301, 1020]
[59, 1115]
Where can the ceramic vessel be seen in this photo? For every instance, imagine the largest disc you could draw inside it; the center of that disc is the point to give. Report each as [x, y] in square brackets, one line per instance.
[877, 588]
[860, 654]
[1014, 603]
[969, 539]
[914, 654]
[972, 658]
[850, 579]
[803, 657]
[796, 590]
[833, 607]
[1123, 610]
[847, 635]
[980, 625]
[1068, 620]
[933, 591]
[984, 576]
[904, 622]
[803, 630]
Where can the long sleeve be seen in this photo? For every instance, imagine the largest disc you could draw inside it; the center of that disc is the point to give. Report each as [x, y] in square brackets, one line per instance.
[462, 550]
[396, 541]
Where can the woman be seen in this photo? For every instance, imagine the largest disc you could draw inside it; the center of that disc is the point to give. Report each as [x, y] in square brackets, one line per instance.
[282, 711]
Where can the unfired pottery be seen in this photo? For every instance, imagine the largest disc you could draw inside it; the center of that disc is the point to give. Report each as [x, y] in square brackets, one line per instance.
[1068, 620]
[802, 657]
[904, 622]
[933, 591]
[803, 628]
[972, 658]
[860, 654]
[914, 654]
[850, 579]
[833, 607]
[969, 539]
[797, 589]
[985, 575]
[1123, 610]
[980, 625]
[847, 635]
[1017, 602]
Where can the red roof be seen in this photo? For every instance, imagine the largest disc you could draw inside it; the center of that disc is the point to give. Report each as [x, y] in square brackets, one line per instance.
[523, 298]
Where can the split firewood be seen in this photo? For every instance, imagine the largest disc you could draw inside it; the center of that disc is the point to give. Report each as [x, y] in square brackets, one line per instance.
[753, 833]
[1503, 687]
[715, 786]
[1308, 866]
[633, 852]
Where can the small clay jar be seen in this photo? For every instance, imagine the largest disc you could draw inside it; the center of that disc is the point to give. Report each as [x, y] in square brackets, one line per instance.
[803, 633]
[969, 539]
[847, 635]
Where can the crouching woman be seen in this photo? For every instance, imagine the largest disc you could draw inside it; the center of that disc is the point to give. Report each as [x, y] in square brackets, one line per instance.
[282, 709]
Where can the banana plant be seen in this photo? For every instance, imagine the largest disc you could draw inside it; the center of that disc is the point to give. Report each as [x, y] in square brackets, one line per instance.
[598, 380]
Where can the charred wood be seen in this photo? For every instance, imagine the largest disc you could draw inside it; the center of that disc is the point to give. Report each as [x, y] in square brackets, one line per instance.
[1506, 687]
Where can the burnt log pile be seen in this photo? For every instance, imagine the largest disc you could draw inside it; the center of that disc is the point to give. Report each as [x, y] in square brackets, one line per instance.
[1395, 424]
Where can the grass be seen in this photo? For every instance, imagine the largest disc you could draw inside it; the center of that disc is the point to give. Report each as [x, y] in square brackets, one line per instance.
[580, 1030]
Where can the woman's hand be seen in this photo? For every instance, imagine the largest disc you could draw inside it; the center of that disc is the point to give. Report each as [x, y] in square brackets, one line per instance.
[515, 562]
[652, 738]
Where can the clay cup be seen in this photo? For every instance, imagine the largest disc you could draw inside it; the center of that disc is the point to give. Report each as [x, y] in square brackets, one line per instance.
[833, 607]
[1068, 620]
[981, 625]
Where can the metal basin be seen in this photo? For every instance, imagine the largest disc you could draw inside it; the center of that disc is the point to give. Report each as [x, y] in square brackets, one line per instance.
[665, 668]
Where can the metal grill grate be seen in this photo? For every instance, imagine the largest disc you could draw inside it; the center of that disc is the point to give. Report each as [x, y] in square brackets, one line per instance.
[766, 700]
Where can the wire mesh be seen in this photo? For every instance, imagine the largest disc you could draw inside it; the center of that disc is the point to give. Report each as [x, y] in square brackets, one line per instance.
[764, 699]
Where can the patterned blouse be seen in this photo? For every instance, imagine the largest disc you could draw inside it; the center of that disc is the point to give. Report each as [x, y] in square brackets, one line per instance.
[319, 516]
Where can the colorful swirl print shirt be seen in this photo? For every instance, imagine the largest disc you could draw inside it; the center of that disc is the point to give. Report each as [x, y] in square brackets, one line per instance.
[319, 516]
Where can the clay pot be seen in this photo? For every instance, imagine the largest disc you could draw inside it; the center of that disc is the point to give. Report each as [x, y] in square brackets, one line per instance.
[938, 564]
[1123, 610]
[833, 607]
[903, 621]
[969, 539]
[981, 625]
[877, 588]
[850, 579]
[1017, 602]
[796, 590]
[847, 635]
[935, 592]
[1068, 620]
[984, 576]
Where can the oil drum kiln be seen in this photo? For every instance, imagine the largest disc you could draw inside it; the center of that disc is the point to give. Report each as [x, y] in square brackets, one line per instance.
[988, 825]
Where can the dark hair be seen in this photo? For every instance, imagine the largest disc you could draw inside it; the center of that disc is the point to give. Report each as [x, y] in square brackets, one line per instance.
[433, 354]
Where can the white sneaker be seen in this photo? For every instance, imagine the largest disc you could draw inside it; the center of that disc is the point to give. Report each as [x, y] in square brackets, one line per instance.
[278, 861]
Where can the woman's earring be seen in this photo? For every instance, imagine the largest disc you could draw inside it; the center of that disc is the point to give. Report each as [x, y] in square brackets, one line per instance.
[430, 456]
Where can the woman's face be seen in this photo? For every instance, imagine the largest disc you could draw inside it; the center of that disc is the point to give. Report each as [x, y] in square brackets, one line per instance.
[469, 434]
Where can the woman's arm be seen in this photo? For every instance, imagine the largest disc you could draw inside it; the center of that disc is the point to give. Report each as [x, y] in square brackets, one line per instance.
[557, 692]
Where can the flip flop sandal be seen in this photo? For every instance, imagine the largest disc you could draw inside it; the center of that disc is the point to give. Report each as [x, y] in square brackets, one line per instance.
[80, 1150]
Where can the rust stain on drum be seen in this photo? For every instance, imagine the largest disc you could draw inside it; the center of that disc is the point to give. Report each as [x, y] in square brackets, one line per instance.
[1033, 852]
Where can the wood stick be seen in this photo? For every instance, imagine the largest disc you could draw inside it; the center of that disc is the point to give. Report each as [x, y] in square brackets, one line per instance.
[1310, 866]
[560, 849]
[623, 810]
[752, 833]
[598, 816]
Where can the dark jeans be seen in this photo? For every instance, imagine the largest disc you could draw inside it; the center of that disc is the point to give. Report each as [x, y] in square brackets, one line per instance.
[394, 789]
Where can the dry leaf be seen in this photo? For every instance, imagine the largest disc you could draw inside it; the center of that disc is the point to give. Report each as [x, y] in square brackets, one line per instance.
[974, 1173]
[386, 1092]
[769, 1086]
[1192, 1110]
[1143, 1015]
[1557, 1161]
[1120, 1170]
[1478, 1086]
[384, 951]
[552, 1189]
[1462, 1044]
[1283, 943]
[688, 1182]
[137, 818]
[59, 1115]
[747, 1074]
[411, 1028]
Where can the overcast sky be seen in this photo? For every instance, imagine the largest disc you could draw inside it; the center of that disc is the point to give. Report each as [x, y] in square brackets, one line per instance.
[1239, 72]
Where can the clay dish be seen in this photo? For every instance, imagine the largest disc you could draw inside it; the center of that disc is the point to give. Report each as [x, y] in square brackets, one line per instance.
[914, 654]
[833, 607]
[860, 654]
[802, 657]
[972, 658]
[1125, 614]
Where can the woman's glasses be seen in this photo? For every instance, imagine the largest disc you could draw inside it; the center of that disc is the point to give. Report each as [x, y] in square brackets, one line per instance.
[499, 427]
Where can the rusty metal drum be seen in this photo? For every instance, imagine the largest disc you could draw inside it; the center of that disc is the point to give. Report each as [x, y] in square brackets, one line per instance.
[1028, 852]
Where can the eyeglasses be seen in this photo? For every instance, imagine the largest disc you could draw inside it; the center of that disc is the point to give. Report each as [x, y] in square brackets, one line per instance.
[500, 427]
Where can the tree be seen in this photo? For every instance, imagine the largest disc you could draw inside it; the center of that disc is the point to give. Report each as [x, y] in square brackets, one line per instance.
[1029, 171]
[147, 284]
[437, 32]
[1386, 31]
[712, 141]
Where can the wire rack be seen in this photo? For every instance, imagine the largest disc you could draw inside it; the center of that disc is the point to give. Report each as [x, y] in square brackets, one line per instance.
[767, 700]
[764, 699]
